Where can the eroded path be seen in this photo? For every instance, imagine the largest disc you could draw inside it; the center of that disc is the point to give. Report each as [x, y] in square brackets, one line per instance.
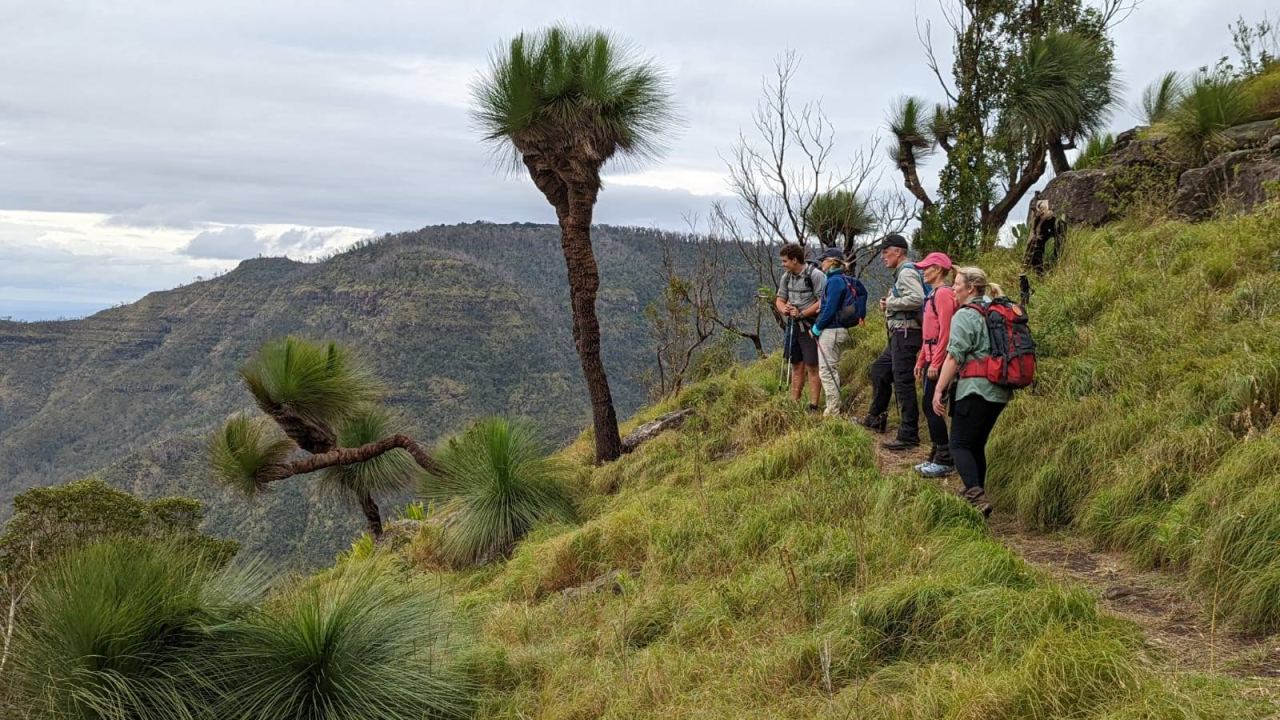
[1178, 628]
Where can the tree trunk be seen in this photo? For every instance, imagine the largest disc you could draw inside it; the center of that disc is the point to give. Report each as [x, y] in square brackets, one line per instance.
[994, 218]
[584, 283]
[910, 178]
[371, 514]
[1058, 154]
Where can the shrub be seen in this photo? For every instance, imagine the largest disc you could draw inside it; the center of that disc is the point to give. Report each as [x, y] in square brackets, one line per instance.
[357, 643]
[1211, 104]
[497, 484]
[112, 631]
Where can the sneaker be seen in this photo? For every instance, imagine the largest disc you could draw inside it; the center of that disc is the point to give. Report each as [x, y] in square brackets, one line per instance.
[900, 445]
[877, 423]
[936, 470]
[919, 467]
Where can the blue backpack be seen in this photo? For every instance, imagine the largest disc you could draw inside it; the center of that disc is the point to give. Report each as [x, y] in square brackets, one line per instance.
[852, 312]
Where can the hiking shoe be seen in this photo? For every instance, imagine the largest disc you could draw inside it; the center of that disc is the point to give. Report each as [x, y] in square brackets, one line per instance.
[977, 497]
[919, 467]
[877, 423]
[936, 470]
[900, 445]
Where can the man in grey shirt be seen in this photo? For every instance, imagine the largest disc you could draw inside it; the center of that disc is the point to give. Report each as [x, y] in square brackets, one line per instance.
[893, 373]
[797, 300]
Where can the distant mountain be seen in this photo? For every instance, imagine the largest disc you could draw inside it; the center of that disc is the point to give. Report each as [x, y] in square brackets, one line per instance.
[460, 321]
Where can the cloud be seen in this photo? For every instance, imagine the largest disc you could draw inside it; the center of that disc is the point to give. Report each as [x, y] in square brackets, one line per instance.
[230, 243]
[182, 216]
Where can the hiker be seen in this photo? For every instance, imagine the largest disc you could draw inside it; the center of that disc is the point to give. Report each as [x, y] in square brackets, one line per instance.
[843, 305]
[977, 401]
[938, 310]
[893, 373]
[797, 301]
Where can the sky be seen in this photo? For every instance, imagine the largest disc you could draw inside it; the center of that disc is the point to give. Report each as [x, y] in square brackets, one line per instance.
[146, 144]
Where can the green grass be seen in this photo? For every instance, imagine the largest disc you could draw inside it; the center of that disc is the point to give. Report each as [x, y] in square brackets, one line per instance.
[755, 564]
[1152, 429]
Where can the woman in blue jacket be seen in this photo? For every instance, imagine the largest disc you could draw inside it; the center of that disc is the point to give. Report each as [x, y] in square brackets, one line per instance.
[844, 305]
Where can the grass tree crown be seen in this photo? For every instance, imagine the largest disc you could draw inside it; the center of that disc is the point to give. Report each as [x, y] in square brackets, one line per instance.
[578, 95]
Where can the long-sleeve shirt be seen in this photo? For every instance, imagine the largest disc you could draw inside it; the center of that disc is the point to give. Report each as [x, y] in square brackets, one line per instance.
[906, 296]
[835, 295]
[936, 332]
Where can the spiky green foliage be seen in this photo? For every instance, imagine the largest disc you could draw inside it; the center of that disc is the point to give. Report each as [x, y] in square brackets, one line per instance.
[112, 631]
[1095, 151]
[941, 128]
[243, 447]
[754, 563]
[1211, 104]
[1161, 97]
[838, 214]
[1063, 87]
[498, 484]
[907, 122]
[580, 94]
[361, 642]
[391, 471]
[322, 383]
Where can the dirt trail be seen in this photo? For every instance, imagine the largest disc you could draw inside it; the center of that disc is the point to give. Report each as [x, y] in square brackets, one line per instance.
[1177, 627]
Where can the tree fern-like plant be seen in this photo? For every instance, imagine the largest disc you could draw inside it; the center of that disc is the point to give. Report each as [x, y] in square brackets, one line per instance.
[111, 631]
[913, 142]
[1063, 90]
[321, 399]
[308, 387]
[1210, 105]
[837, 215]
[497, 483]
[357, 643]
[1161, 97]
[564, 102]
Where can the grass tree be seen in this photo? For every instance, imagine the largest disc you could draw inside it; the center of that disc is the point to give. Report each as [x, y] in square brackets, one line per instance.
[495, 482]
[318, 398]
[564, 102]
[839, 215]
[1161, 97]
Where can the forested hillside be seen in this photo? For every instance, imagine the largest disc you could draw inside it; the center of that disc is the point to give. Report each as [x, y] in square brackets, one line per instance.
[460, 321]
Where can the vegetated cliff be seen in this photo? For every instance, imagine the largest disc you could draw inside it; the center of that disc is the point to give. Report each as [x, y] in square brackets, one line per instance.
[460, 321]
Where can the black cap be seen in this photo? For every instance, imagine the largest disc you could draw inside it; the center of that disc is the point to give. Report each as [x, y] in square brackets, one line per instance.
[893, 240]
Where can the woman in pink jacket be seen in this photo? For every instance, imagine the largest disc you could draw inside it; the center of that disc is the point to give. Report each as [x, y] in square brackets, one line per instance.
[938, 309]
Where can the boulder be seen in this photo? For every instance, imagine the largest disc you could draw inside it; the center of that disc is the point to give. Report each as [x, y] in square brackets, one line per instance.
[1241, 176]
[1079, 197]
[1151, 152]
[1251, 135]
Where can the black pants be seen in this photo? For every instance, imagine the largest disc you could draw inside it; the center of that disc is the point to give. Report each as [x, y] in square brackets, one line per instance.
[894, 373]
[972, 418]
[937, 424]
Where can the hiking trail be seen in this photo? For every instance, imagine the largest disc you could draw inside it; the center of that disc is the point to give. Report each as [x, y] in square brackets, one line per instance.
[1179, 632]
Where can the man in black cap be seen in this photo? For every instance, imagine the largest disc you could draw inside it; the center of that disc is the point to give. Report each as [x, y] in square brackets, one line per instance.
[894, 371]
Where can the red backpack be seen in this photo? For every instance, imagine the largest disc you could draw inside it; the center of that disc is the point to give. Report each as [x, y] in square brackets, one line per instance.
[1012, 362]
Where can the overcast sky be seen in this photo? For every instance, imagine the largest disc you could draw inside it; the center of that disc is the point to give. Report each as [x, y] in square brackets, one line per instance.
[145, 143]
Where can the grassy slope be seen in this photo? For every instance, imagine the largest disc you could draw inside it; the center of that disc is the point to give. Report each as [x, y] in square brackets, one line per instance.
[1153, 429]
[767, 570]
[764, 568]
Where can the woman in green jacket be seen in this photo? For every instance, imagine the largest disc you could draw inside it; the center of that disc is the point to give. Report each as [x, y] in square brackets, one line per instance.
[977, 402]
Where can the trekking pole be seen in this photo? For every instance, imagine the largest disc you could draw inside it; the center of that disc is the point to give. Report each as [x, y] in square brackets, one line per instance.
[784, 374]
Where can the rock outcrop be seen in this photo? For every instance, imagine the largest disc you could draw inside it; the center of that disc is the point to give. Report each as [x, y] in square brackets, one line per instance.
[1238, 178]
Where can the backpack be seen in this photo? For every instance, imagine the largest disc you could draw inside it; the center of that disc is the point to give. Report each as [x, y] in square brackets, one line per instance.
[928, 290]
[1012, 362]
[810, 267]
[851, 314]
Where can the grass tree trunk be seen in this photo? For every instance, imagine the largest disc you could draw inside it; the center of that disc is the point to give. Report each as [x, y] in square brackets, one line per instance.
[1058, 155]
[372, 516]
[584, 282]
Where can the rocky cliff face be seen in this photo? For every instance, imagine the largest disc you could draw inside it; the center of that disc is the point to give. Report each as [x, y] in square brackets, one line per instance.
[1236, 179]
[460, 321]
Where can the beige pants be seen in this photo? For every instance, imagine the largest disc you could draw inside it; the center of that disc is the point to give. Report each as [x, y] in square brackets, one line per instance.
[828, 365]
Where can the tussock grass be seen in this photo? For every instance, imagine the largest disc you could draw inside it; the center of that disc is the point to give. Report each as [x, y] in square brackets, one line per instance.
[755, 564]
[1154, 429]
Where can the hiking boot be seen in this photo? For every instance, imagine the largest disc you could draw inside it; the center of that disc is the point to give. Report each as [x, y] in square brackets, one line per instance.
[977, 497]
[900, 445]
[878, 423]
[936, 470]
[813, 408]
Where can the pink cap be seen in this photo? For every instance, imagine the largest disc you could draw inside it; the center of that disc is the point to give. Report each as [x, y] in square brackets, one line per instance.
[935, 258]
